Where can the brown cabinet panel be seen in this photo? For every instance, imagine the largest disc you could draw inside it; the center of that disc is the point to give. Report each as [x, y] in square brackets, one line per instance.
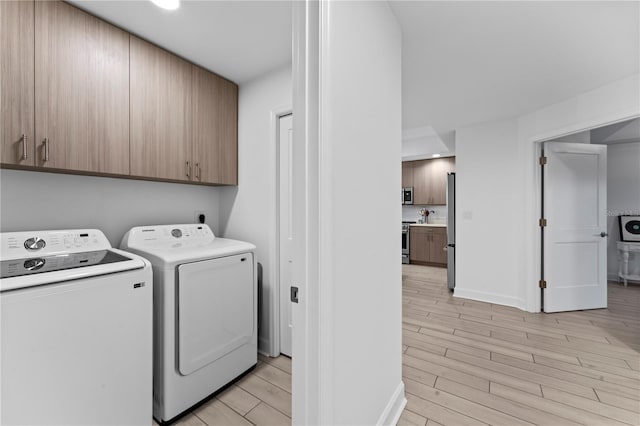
[426, 245]
[421, 179]
[160, 113]
[81, 91]
[407, 174]
[16, 82]
[215, 112]
[430, 180]
[418, 245]
[437, 254]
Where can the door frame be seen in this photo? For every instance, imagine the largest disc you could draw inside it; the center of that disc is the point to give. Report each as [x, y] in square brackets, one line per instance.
[274, 318]
[275, 325]
[534, 293]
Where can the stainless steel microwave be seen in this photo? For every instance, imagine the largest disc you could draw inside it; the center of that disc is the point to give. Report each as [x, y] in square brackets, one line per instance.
[407, 195]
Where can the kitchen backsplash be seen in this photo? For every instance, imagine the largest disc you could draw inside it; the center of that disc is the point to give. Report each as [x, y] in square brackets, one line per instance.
[439, 215]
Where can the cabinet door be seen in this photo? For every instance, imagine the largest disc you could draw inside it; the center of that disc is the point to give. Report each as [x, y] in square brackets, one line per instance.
[160, 113]
[437, 243]
[438, 181]
[418, 245]
[16, 82]
[421, 179]
[215, 118]
[407, 174]
[81, 91]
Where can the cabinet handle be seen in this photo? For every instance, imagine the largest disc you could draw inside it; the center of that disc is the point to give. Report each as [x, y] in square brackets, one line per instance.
[188, 170]
[24, 147]
[45, 142]
[198, 171]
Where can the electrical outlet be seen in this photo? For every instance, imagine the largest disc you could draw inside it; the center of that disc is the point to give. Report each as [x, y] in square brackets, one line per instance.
[198, 217]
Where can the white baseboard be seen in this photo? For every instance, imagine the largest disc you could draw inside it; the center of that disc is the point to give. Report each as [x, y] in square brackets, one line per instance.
[482, 296]
[394, 408]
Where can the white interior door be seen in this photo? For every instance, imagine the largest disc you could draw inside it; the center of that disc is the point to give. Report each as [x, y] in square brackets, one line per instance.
[285, 226]
[575, 243]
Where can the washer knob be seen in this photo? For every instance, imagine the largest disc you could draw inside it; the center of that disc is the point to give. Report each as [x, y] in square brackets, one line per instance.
[34, 264]
[34, 243]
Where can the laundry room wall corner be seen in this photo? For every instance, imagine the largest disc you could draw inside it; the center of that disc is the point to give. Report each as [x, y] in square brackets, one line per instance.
[248, 211]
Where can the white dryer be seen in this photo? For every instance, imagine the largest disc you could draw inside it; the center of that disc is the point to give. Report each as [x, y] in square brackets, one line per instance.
[205, 312]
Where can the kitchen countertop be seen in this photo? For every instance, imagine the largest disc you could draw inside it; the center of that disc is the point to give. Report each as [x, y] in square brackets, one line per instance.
[430, 225]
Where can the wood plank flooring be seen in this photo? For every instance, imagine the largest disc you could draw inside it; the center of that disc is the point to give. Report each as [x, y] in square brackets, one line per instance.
[468, 362]
[474, 363]
[262, 397]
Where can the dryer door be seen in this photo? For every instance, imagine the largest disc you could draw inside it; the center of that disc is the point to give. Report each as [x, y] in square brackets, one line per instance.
[216, 309]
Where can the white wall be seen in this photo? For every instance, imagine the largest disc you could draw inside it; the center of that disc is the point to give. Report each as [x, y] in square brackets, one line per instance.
[40, 201]
[507, 262]
[623, 195]
[487, 221]
[248, 212]
[360, 173]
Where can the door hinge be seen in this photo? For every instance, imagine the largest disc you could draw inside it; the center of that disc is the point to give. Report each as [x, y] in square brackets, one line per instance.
[294, 294]
[542, 284]
[543, 160]
[542, 222]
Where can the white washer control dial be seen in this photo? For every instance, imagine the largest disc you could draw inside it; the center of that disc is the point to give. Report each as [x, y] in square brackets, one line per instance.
[34, 243]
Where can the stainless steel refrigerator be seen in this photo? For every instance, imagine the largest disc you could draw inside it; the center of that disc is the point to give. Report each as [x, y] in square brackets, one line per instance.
[451, 230]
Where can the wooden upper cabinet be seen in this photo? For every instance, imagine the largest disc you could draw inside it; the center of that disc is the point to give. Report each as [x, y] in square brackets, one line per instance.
[81, 91]
[16, 83]
[430, 180]
[160, 113]
[407, 174]
[421, 179]
[215, 131]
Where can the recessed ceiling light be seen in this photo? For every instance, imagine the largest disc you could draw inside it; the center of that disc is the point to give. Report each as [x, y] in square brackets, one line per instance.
[167, 4]
[435, 155]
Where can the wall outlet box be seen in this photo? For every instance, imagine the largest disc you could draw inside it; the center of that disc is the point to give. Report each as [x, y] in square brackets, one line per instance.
[199, 217]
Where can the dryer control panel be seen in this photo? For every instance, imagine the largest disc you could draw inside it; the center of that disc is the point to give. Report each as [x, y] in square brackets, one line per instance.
[169, 234]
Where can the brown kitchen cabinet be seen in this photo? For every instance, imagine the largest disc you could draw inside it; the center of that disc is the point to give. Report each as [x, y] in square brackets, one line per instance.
[81, 91]
[407, 174]
[430, 180]
[215, 130]
[16, 83]
[427, 246]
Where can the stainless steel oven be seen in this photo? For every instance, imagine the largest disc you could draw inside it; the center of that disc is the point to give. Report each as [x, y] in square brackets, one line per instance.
[405, 241]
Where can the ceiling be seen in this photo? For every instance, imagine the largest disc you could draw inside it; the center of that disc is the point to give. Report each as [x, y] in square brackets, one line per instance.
[238, 40]
[463, 62]
[477, 61]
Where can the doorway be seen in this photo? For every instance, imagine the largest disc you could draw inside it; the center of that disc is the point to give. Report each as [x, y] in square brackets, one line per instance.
[590, 182]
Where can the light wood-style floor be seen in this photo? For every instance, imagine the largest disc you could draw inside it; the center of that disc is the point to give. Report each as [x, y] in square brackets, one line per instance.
[262, 397]
[468, 363]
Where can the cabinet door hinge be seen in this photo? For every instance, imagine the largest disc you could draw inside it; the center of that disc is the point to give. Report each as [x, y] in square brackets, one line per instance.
[542, 222]
[543, 160]
[542, 284]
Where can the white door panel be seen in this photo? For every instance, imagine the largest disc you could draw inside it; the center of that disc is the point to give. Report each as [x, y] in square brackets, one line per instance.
[285, 225]
[575, 203]
[215, 309]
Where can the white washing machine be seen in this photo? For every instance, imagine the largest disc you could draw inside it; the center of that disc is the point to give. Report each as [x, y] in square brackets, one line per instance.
[76, 340]
[205, 312]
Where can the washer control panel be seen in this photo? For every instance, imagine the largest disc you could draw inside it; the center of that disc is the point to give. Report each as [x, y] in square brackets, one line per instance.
[16, 245]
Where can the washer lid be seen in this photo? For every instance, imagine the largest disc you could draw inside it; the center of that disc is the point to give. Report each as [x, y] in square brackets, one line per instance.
[170, 245]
